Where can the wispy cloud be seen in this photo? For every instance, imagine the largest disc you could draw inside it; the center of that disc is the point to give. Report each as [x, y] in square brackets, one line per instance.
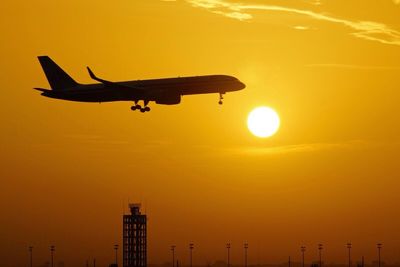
[258, 150]
[94, 139]
[368, 30]
[234, 15]
[355, 67]
[302, 28]
[343, 146]
[290, 149]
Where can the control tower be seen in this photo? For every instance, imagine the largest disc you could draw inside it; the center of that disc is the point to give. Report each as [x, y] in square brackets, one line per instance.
[134, 238]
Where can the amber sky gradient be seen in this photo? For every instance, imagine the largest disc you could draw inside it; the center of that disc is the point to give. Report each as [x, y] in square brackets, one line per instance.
[330, 175]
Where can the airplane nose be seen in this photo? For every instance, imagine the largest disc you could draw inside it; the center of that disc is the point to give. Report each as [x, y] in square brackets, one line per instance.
[241, 86]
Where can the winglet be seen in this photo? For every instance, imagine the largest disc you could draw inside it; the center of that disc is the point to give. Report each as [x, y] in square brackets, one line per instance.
[96, 78]
[109, 83]
[91, 74]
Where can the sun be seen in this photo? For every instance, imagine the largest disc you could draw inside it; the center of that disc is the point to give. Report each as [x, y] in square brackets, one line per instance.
[263, 122]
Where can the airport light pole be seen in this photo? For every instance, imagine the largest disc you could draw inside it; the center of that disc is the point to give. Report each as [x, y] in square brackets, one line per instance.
[52, 249]
[349, 249]
[30, 255]
[246, 246]
[303, 249]
[191, 247]
[116, 254]
[320, 247]
[173, 255]
[228, 247]
[379, 246]
[289, 263]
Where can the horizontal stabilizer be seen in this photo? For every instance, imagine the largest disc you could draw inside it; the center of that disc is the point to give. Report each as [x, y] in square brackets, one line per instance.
[42, 89]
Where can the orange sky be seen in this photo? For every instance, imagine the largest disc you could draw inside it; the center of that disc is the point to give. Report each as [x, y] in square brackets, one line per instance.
[330, 175]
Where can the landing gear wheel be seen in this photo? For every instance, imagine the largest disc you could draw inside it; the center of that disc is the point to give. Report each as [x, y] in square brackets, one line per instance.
[143, 110]
[220, 98]
[147, 109]
[138, 107]
[133, 108]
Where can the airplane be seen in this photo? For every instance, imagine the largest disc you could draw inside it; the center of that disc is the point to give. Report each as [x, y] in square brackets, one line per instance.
[167, 91]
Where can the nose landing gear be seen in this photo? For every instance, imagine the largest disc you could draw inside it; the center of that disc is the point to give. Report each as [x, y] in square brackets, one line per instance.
[221, 97]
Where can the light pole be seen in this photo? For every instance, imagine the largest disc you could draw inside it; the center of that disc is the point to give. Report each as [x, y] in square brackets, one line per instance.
[303, 249]
[116, 254]
[246, 246]
[379, 246]
[228, 247]
[52, 249]
[349, 249]
[30, 255]
[173, 255]
[320, 247]
[191, 247]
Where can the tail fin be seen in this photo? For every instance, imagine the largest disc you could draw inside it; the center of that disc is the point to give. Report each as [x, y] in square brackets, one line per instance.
[58, 79]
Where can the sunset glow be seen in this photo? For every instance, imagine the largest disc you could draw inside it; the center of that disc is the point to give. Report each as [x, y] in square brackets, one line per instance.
[307, 152]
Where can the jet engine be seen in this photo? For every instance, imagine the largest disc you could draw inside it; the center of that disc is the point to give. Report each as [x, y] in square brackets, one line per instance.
[169, 99]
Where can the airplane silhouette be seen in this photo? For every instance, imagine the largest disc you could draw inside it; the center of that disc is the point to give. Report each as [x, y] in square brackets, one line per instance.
[167, 91]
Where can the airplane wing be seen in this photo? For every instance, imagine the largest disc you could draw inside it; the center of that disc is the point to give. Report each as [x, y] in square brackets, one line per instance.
[112, 84]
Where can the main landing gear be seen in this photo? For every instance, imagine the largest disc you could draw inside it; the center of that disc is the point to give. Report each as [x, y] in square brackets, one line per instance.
[221, 97]
[139, 107]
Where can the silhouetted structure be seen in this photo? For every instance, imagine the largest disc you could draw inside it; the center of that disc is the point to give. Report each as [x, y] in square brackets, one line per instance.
[191, 247]
[303, 249]
[349, 250]
[320, 247]
[116, 254]
[134, 238]
[245, 246]
[228, 247]
[173, 255]
[30, 255]
[379, 246]
[361, 264]
[52, 249]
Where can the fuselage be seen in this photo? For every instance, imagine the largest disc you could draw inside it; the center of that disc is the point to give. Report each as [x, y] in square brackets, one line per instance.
[163, 91]
[168, 91]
